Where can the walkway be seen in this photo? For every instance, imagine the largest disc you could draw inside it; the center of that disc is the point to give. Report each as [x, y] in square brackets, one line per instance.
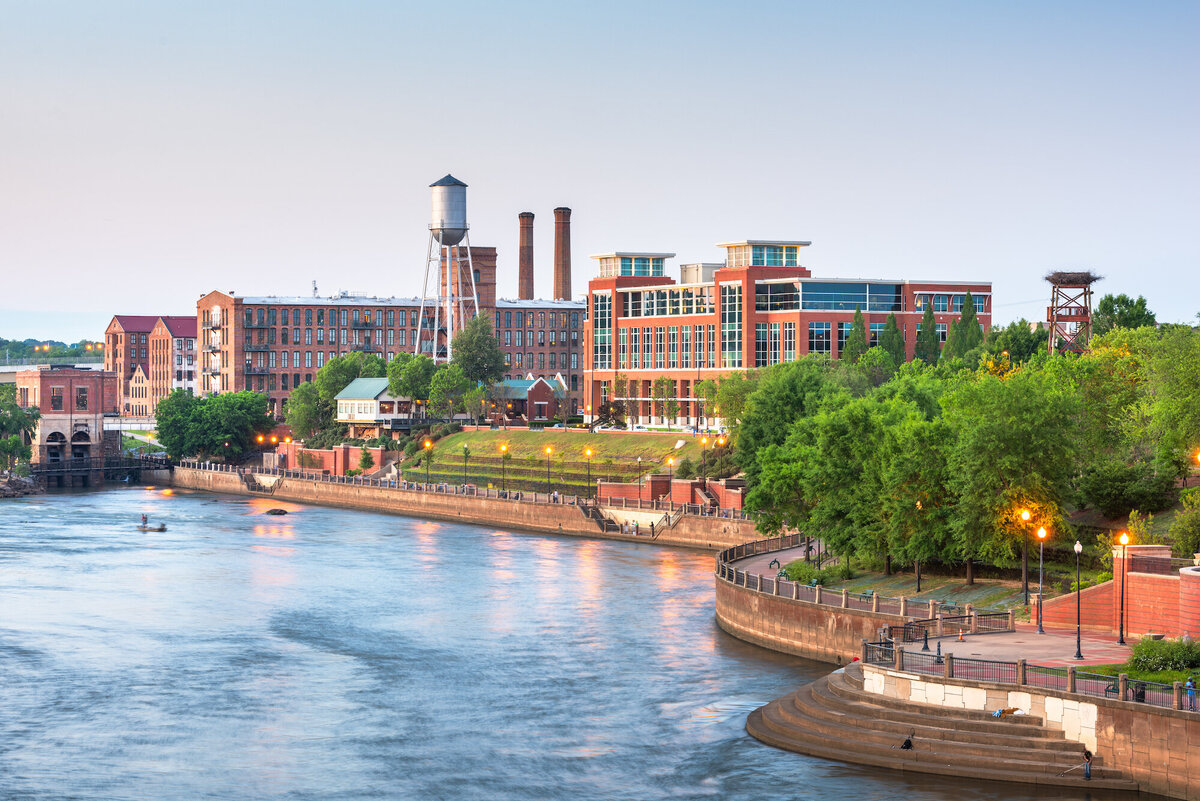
[1054, 648]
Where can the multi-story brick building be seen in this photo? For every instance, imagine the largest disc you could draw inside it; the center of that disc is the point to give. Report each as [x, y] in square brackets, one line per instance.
[757, 308]
[72, 404]
[172, 357]
[541, 339]
[127, 345]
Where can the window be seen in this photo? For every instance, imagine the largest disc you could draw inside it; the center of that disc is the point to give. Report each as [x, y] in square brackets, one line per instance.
[520, 320]
[271, 359]
[541, 319]
[760, 344]
[789, 342]
[541, 361]
[843, 330]
[518, 335]
[731, 325]
[574, 363]
[283, 381]
[283, 336]
[602, 331]
[320, 317]
[320, 336]
[978, 300]
[574, 319]
[685, 346]
[308, 358]
[941, 332]
[673, 346]
[773, 357]
[308, 316]
[413, 316]
[81, 398]
[635, 346]
[940, 303]
[622, 349]
[307, 336]
[283, 359]
[777, 297]
[876, 330]
[956, 303]
[320, 359]
[818, 338]
[699, 340]
[541, 337]
[295, 317]
[659, 346]
[508, 319]
[273, 316]
[56, 399]
[553, 360]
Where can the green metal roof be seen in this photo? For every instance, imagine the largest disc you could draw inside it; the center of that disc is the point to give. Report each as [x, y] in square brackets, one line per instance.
[363, 389]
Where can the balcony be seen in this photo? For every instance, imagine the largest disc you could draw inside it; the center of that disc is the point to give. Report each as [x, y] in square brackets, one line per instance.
[214, 324]
[256, 346]
[364, 324]
[257, 325]
[257, 370]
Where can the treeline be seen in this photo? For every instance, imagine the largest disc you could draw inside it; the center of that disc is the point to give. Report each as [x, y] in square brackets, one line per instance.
[935, 462]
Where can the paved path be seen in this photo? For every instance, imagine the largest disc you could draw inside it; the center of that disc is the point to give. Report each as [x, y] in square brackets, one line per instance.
[1055, 647]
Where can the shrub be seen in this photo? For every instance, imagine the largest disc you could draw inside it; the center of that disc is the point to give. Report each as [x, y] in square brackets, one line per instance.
[1103, 577]
[1116, 487]
[1185, 530]
[686, 468]
[1158, 655]
[410, 450]
[804, 572]
[353, 472]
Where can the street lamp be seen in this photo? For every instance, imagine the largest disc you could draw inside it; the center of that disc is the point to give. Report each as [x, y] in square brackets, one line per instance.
[549, 450]
[1078, 603]
[1041, 575]
[1025, 555]
[703, 445]
[428, 456]
[503, 470]
[1124, 540]
[466, 458]
[588, 454]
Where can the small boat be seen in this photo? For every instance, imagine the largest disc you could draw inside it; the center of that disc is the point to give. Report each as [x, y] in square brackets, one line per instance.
[159, 527]
[277, 511]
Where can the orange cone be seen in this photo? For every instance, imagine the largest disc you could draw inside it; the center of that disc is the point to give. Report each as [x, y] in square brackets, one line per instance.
[960, 639]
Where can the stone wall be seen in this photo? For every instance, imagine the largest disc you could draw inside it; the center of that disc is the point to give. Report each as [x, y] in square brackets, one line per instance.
[1155, 747]
[691, 532]
[816, 631]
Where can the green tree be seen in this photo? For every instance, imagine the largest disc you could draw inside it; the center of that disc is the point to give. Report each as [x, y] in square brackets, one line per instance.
[477, 352]
[365, 460]
[916, 503]
[474, 401]
[1013, 450]
[786, 393]
[13, 419]
[176, 421]
[338, 372]
[662, 390]
[706, 393]
[892, 340]
[1185, 528]
[1018, 340]
[410, 377]
[1121, 311]
[732, 393]
[929, 347]
[446, 390]
[876, 366]
[970, 333]
[307, 412]
[856, 342]
[12, 451]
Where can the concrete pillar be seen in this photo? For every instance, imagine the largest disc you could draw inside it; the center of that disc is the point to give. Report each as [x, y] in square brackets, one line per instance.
[1012, 621]
[949, 666]
[1178, 688]
[845, 599]
[795, 591]
[875, 602]
[899, 655]
[863, 657]
[776, 583]
[1020, 672]
[1071, 679]
[974, 622]
[758, 582]
[941, 628]
[1123, 687]
[933, 609]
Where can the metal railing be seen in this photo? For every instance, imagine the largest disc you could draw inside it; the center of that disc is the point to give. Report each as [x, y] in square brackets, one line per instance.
[1158, 565]
[1066, 680]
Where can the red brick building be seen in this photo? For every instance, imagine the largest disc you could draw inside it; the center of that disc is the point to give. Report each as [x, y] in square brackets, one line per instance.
[757, 308]
[127, 345]
[172, 357]
[73, 404]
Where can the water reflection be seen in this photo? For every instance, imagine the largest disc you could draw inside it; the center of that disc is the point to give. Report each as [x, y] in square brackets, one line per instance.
[334, 654]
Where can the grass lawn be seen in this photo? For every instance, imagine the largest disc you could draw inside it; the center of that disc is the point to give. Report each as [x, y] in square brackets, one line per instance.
[1161, 676]
[570, 446]
[984, 593]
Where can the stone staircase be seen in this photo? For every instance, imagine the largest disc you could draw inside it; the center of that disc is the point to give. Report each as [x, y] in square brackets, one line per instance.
[834, 718]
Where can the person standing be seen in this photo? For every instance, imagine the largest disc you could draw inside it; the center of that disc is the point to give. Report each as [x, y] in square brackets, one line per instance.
[1087, 764]
[1190, 686]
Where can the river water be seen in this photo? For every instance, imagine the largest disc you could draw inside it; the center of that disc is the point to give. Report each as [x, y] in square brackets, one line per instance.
[332, 654]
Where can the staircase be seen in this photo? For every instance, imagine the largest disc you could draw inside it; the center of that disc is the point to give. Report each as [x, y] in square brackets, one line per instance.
[834, 718]
[593, 513]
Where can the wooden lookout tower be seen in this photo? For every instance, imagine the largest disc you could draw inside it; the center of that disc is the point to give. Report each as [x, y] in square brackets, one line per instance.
[1070, 312]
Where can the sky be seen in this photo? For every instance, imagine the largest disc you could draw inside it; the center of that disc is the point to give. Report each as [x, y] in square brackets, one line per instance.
[151, 152]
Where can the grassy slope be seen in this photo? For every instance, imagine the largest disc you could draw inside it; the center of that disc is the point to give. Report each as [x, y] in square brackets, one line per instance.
[569, 445]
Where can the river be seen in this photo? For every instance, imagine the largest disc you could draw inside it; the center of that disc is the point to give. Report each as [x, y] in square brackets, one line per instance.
[333, 654]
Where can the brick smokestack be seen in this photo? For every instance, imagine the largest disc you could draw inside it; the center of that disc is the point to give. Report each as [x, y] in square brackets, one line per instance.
[525, 257]
[562, 253]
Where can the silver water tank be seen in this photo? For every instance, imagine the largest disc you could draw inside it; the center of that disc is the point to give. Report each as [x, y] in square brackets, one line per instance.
[449, 218]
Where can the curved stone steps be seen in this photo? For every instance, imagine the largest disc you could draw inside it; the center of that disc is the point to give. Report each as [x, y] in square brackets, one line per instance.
[844, 684]
[821, 721]
[1030, 754]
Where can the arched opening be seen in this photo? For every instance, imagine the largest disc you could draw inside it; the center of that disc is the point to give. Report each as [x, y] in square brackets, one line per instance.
[56, 446]
[81, 447]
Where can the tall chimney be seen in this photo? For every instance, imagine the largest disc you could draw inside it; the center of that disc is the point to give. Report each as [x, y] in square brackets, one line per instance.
[525, 257]
[562, 253]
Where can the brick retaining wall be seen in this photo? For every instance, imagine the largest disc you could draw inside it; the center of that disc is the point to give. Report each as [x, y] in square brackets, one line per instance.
[711, 534]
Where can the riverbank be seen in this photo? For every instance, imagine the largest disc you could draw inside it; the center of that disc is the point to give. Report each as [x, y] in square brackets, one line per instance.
[16, 487]
[686, 531]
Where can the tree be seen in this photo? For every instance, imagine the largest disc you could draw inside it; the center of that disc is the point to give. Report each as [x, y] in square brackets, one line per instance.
[706, 394]
[410, 377]
[477, 352]
[365, 460]
[856, 342]
[876, 366]
[929, 347]
[446, 390]
[338, 372]
[970, 333]
[13, 419]
[1018, 340]
[225, 425]
[732, 392]
[307, 412]
[892, 340]
[786, 393]
[13, 450]
[1121, 311]
[474, 400]
[175, 418]
[662, 391]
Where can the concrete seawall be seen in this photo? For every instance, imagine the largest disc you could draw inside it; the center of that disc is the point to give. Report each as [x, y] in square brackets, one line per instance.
[710, 534]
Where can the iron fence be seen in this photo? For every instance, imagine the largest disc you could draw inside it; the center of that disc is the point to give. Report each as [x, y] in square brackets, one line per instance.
[929, 664]
[985, 670]
[991, 621]
[1048, 678]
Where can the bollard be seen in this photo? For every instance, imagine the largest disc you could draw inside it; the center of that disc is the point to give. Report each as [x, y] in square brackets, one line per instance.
[903, 606]
[845, 599]
[974, 622]
[1020, 672]
[933, 608]
[795, 591]
[817, 594]
[899, 654]
[949, 664]
[874, 602]
[758, 582]
[941, 626]
[777, 587]
[864, 654]
[1123, 686]
[1071, 679]
[1012, 620]
[1178, 688]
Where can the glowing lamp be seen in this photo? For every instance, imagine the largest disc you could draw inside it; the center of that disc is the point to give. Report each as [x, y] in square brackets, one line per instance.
[1124, 538]
[1041, 533]
[1024, 514]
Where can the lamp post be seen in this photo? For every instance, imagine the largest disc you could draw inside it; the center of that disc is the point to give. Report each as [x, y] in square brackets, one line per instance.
[503, 470]
[1041, 575]
[588, 454]
[466, 458]
[1025, 555]
[1124, 540]
[1078, 603]
[548, 452]
[428, 457]
[703, 446]
[670, 481]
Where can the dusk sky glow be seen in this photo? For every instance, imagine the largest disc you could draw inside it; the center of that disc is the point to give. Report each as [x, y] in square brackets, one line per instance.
[153, 152]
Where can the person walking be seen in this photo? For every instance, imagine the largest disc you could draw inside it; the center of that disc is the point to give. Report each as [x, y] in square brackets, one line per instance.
[1087, 764]
[1190, 686]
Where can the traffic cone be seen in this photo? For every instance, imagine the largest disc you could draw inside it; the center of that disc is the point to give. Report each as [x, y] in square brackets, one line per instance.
[960, 639]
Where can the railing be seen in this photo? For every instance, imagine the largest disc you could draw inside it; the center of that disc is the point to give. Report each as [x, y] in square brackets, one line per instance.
[87, 464]
[1158, 565]
[1066, 680]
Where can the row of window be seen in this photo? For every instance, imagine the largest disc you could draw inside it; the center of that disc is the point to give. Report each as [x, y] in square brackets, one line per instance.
[952, 303]
[762, 256]
[56, 399]
[664, 347]
[518, 319]
[336, 316]
[513, 337]
[558, 361]
[659, 302]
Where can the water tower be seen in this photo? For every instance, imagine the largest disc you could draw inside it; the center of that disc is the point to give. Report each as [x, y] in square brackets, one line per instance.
[449, 259]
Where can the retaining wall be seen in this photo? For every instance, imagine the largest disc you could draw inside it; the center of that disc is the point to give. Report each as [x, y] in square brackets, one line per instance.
[711, 534]
[1156, 747]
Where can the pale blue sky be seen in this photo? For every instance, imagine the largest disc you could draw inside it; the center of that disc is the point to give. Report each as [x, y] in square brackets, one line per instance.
[153, 151]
